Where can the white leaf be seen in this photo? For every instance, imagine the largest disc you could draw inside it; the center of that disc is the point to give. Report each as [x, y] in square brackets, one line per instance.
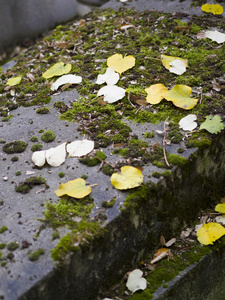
[38, 157]
[178, 67]
[112, 93]
[220, 219]
[110, 77]
[188, 123]
[69, 78]
[56, 156]
[80, 148]
[215, 36]
[135, 281]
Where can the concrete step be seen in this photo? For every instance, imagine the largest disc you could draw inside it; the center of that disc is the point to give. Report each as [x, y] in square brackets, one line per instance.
[76, 249]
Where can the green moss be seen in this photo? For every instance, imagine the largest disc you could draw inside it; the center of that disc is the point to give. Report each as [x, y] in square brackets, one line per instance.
[75, 215]
[34, 139]
[28, 184]
[15, 147]
[48, 136]
[41, 131]
[33, 256]
[6, 119]
[167, 173]
[180, 150]
[18, 173]
[12, 246]
[3, 229]
[2, 141]
[43, 110]
[55, 235]
[108, 169]
[195, 143]
[108, 204]
[61, 174]
[84, 176]
[36, 147]
[15, 158]
[176, 160]
[93, 161]
[156, 174]
[149, 134]
[2, 245]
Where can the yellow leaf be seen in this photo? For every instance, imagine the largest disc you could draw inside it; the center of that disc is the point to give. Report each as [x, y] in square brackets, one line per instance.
[180, 96]
[129, 178]
[156, 93]
[216, 9]
[209, 233]
[166, 60]
[14, 81]
[74, 188]
[57, 70]
[120, 64]
[220, 208]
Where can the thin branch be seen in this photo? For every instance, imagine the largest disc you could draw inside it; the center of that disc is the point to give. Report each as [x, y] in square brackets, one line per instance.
[164, 142]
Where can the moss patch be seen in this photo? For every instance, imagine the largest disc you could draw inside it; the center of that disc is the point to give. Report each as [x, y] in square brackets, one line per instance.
[48, 136]
[15, 147]
[33, 256]
[28, 184]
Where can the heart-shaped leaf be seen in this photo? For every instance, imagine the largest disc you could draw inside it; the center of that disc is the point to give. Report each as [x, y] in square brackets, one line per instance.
[188, 123]
[215, 35]
[212, 124]
[57, 70]
[209, 233]
[120, 64]
[156, 93]
[110, 77]
[220, 208]
[177, 67]
[135, 281]
[14, 81]
[216, 9]
[112, 93]
[74, 188]
[180, 96]
[80, 148]
[129, 178]
[167, 60]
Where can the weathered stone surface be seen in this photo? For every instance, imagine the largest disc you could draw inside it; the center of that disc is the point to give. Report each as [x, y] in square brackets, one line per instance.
[79, 262]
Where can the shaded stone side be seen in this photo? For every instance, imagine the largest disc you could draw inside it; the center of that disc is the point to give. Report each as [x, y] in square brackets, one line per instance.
[204, 280]
[150, 211]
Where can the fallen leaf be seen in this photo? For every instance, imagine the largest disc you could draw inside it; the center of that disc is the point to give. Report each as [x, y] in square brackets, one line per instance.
[220, 208]
[31, 77]
[212, 124]
[74, 188]
[38, 158]
[120, 64]
[170, 242]
[167, 60]
[216, 86]
[220, 219]
[56, 156]
[14, 81]
[110, 77]
[57, 70]
[80, 148]
[216, 9]
[156, 93]
[215, 35]
[160, 254]
[209, 233]
[135, 281]
[72, 79]
[177, 67]
[180, 96]
[126, 26]
[188, 123]
[112, 93]
[129, 178]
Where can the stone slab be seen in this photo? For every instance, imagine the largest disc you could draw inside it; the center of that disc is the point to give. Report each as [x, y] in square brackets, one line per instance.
[129, 234]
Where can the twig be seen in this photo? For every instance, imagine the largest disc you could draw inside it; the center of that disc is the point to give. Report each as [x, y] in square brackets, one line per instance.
[128, 97]
[164, 143]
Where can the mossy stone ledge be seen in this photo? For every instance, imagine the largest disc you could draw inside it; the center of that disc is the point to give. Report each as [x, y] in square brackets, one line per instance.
[79, 248]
